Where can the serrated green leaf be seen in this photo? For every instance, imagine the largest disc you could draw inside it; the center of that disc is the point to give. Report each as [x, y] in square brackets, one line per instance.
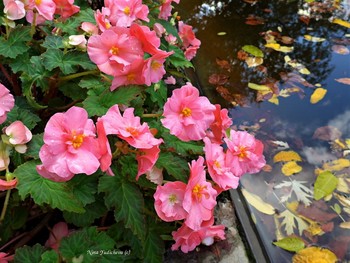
[127, 200]
[154, 248]
[93, 212]
[178, 58]
[49, 257]
[28, 254]
[67, 62]
[174, 165]
[158, 93]
[34, 146]
[253, 50]
[28, 118]
[54, 42]
[84, 188]
[73, 90]
[87, 244]
[44, 191]
[16, 44]
[72, 24]
[293, 244]
[19, 64]
[325, 184]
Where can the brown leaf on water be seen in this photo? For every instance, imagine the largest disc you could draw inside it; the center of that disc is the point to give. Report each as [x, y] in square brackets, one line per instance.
[339, 245]
[287, 40]
[327, 133]
[344, 80]
[254, 20]
[305, 19]
[242, 55]
[224, 64]
[314, 213]
[218, 79]
[225, 93]
[340, 49]
[292, 79]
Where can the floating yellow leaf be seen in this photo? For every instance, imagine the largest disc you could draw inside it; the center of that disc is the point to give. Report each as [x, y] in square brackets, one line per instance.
[343, 200]
[274, 99]
[314, 255]
[300, 67]
[258, 203]
[304, 71]
[279, 48]
[341, 22]
[315, 229]
[314, 39]
[336, 165]
[286, 156]
[343, 185]
[291, 168]
[345, 225]
[259, 87]
[318, 95]
[254, 61]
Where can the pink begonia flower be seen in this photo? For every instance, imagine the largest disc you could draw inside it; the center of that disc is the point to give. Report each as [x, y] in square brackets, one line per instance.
[105, 148]
[77, 40]
[4, 155]
[155, 175]
[66, 8]
[188, 239]
[114, 49]
[14, 9]
[59, 231]
[128, 127]
[218, 167]
[189, 41]
[18, 135]
[6, 185]
[7, 102]
[188, 115]
[221, 123]
[45, 10]
[153, 70]
[191, 52]
[172, 40]
[244, 152]
[70, 146]
[146, 159]
[199, 200]
[102, 19]
[89, 28]
[165, 9]
[168, 201]
[124, 12]
[4, 258]
[159, 29]
[170, 80]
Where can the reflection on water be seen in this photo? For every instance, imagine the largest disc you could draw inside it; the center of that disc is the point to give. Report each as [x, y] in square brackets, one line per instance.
[318, 132]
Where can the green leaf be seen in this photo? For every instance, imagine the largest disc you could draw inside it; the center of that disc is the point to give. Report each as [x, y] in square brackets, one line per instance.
[28, 254]
[174, 165]
[178, 58]
[16, 44]
[127, 200]
[293, 244]
[49, 257]
[99, 105]
[84, 188]
[169, 28]
[336, 208]
[158, 93]
[258, 87]
[72, 24]
[54, 42]
[253, 50]
[34, 146]
[28, 118]
[19, 215]
[44, 191]
[27, 84]
[73, 90]
[87, 245]
[154, 248]
[325, 184]
[93, 212]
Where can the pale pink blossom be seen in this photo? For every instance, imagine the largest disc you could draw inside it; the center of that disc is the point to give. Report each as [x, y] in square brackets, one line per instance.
[244, 152]
[105, 149]
[5, 258]
[221, 123]
[166, 8]
[18, 135]
[190, 43]
[78, 41]
[188, 115]
[70, 146]
[59, 231]
[171, 39]
[159, 29]
[218, 166]
[7, 102]
[14, 9]
[188, 239]
[153, 70]
[124, 12]
[155, 175]
[89, 28]
[191, 52]
[168, 201]
[199, 200]
[6, 185]
[102, 19]
[45, 10]
[146, 159]
[170, 80]
[66, 8]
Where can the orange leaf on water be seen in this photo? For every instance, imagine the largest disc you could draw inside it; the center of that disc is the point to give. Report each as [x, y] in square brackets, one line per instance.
[344, 80]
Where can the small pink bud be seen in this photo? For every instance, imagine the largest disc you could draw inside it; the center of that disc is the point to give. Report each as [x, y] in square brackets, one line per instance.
[14, 9]
[159, 29]
[18, 133]
[170, 80]
[89, 28]
[77, 40]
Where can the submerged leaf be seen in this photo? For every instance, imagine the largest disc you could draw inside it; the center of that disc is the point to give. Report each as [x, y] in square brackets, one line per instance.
[253, 50]
[279, 48]
[336, 165]
[293, 244]
[341, 22]
[325, 184]
[345, 225]
[286, 156]
[253, 61]
[303, 193]
[327, 133]
[291, 168]
[314, 254]
[259, 87]
[289, 222]
[340, 49]
[344, 80]
[258, 203]
[314, 39]
[318, 95]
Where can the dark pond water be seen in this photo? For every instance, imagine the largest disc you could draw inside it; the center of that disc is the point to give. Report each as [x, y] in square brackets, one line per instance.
[317, 132]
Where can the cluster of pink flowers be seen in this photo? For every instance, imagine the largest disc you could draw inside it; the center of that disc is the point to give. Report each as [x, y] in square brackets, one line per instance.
[39, 11]
[192, 117]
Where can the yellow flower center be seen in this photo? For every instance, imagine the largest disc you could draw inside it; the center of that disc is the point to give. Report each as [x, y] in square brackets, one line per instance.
[114, 51]
[107, 25]
[242, 152]
[186, 112]
[37, 2]
[172, 198]
[77, 140]
[130, 77]
[155, 65]
[126, 10]
[197, 191]
[217, 164]
[134, 132]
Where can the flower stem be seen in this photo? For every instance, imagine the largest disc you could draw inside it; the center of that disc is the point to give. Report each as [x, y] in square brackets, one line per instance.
[32, 28]
[6, 203]
[151, 115]
[80, 74]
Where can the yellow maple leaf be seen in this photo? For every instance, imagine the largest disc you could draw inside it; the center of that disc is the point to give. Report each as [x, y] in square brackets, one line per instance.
[286, 156]
[314, 255]
[318, 95]
[336, 165]
[341, 22]
[291, 168]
